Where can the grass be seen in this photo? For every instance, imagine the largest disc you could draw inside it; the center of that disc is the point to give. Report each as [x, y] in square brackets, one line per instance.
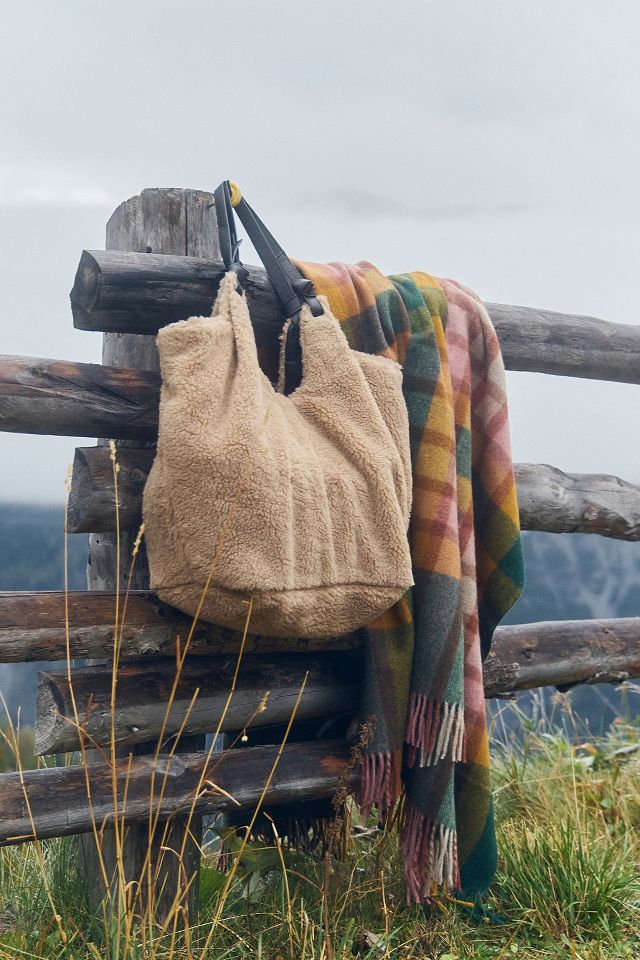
[568, 883]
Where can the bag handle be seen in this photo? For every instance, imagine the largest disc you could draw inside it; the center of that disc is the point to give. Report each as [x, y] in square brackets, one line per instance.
[292, 287]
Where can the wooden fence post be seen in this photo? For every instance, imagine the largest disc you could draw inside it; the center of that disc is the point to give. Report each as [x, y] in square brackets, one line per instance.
[183, 223]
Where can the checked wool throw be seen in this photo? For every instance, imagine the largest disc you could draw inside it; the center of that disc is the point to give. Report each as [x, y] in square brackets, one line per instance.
[428, 756]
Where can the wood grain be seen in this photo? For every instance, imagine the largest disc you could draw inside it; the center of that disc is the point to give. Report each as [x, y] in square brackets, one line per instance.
[33, 626]
[164, 221]
[562, 652]
[122, 292]
[265, 693]
[525, 656]
[232, 781]
[549, 499]
[66, 399]
[557, 502]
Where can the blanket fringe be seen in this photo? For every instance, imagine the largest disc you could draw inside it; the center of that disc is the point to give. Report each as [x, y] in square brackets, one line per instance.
[379, 782]
[435, 730]
[430, 852]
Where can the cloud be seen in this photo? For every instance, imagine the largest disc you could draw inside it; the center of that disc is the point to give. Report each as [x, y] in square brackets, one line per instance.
[367, 205]
[39, 194]
[496, 142]
[30, 184]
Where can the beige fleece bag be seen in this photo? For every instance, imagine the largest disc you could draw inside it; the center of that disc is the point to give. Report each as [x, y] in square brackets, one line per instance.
[299, 504]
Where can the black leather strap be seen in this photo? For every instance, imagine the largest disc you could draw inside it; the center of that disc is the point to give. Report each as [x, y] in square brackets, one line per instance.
[291, 286]
[227, 236]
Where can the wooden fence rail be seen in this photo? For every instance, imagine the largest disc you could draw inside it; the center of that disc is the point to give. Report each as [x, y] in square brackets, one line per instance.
[64, 399]
[265, 693]
[522, 657]
[140, 292]
[231, 781]
[548, 498]
[33, 626]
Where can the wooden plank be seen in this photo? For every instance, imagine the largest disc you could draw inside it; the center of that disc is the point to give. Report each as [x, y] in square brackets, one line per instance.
[562, 652]
[522, 657]
[127, 292]
[549, 499]
[557, 502]
[33, 627]
[231, 781]
[61, 398]
[265, 693]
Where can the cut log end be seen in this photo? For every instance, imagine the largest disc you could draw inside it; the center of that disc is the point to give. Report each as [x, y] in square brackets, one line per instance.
[79, 494]
[51, 724]
[85, 290]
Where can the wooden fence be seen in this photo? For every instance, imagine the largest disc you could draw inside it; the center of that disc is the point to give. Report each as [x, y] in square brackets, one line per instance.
[162, 264]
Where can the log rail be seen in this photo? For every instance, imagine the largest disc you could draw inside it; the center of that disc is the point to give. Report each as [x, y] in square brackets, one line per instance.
[120, 292]
[234, 781]
[548, 498]
[522, 657]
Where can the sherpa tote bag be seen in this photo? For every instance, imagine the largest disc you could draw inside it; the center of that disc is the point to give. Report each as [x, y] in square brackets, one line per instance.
[286, 512]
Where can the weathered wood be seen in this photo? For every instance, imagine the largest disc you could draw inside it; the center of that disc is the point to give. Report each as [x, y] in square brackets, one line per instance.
[33, 627]
[92, 498]
[562, 652]
[66, 399]
[140, 293]
[523, 657]
[567, 345]
[231, 781]
[61, 398]
[123, 292]
[531, 655]
[558, 502]
[265, 693]
[179, 222]
[549, 499]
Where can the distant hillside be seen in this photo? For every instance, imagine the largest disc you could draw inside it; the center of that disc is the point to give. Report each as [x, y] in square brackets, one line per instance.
[582, 577]
[32, 558]
[568, 577]
[32, 549]
[578, 576]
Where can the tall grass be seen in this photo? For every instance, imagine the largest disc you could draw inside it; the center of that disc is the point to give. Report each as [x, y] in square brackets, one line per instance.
[567, 885]
[568, 808]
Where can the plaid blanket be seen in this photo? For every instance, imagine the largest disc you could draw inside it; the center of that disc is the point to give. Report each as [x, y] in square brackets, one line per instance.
[423, 660]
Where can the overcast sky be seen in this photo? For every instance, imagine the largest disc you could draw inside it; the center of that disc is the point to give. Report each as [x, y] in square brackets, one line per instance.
[494, 142]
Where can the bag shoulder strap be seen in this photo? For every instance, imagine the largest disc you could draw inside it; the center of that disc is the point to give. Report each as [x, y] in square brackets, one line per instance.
[292, 287]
